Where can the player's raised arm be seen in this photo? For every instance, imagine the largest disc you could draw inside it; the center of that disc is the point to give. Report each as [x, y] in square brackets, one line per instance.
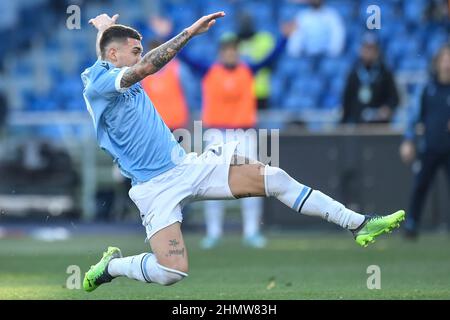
[155, 59]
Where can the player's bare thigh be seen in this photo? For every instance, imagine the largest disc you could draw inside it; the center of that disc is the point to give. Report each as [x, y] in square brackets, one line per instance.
[246, 177]
[169, 247]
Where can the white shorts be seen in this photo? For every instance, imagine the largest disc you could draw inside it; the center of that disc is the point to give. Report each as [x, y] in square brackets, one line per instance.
[198, 177]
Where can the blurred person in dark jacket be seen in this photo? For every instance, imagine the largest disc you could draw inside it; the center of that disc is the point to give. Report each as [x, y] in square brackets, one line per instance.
[370, 94]
[432, 150]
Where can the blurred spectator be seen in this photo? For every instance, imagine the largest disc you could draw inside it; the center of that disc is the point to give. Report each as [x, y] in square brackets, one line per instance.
[370, 94]
[437, 11]
[163, 28]
[229, 102]
[255, 46]
[319, 31]
[433, 112]
[166, 92]
[228, 96]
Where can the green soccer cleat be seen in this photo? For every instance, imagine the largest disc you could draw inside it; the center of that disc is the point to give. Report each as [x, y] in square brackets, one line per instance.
[373, 226]
[98, 274]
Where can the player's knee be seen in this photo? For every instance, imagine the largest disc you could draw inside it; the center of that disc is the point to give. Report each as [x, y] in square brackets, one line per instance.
[171, 275]
[260, 167]
[164, 273]
[180, 265]
[257, 178]
[276, 180]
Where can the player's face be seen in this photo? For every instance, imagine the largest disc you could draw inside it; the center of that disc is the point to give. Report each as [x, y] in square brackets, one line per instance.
[443, 63]
[128, 53]
[229, 56]
[369, 54]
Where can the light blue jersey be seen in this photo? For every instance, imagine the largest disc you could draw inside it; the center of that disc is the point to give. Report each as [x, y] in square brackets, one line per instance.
[127, 124]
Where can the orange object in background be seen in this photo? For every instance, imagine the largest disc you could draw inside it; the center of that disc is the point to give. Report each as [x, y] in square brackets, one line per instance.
[228, 97]
[165, 90]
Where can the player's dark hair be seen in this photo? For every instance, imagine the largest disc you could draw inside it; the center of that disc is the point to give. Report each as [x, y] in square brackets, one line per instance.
[117, 32]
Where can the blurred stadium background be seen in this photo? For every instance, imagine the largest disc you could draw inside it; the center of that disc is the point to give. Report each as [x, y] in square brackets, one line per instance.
[56, 184]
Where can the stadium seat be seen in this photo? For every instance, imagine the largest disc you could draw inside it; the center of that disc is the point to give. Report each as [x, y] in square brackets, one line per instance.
[298, 103]
[345, 8]
[288, 11]
[277, 88]
[332, 67]
[435, 41]
[406, 47]
[413, 11]
[337, 85]
[330, 101]
[413, 63]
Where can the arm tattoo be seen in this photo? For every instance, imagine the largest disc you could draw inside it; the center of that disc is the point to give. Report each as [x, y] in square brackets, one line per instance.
[155, 59]
[130, 77]
[164, 53]
[175, 252]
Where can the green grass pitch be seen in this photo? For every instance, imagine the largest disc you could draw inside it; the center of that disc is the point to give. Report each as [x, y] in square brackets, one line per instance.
[294, 266]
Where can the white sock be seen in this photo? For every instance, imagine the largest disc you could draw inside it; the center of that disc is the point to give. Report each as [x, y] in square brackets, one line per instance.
[251, 215]
[129, 267]
[321, 205]
[308, 201]
[145, 268]
[214, 212]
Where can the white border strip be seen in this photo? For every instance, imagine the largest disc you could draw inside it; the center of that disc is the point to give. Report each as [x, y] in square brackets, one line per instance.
[119, 78]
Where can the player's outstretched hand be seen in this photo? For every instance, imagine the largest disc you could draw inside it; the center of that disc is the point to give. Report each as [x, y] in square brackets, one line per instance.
[204, 23]
[103, 21]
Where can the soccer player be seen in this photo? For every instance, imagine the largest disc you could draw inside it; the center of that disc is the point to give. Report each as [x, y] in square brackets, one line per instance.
[165, 178]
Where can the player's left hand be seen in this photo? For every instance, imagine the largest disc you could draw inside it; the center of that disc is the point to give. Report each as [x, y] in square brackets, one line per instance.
[103, 21]
[204, 23]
